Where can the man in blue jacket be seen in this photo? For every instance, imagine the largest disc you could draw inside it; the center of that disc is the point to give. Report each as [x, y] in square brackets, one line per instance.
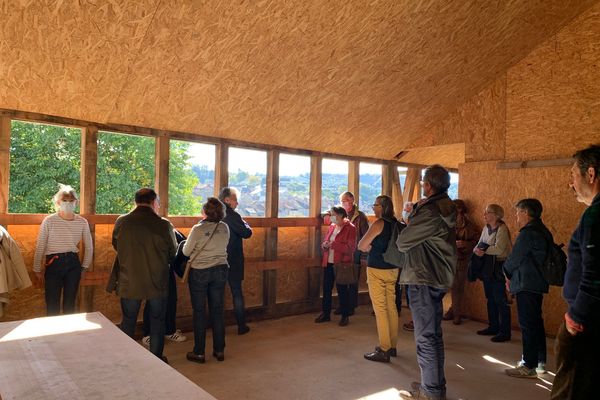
[522, 267]
[238, 230]
[578, 338]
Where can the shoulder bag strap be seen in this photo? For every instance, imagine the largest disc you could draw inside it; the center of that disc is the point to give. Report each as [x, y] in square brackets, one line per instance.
[188, 266]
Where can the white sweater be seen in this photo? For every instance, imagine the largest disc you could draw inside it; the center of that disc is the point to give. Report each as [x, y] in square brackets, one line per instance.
[59, 235]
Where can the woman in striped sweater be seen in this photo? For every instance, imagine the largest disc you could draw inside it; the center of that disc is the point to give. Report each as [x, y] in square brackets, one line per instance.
[58, 240]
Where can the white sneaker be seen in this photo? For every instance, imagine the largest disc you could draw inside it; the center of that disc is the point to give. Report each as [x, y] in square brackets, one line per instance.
[541, 368]
[176, 337]
[146, 341]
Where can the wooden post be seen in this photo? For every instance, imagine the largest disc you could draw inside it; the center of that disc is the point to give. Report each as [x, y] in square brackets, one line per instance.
[271, 211]
[387, 170]
[412, 185]
[161, 168]
[354, 179]
[221, 167]
[4, 163]
[396, 191]
[87, 200]
[314, 239]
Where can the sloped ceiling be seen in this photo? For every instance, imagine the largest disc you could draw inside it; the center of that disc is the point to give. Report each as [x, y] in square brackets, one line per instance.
[355, 77]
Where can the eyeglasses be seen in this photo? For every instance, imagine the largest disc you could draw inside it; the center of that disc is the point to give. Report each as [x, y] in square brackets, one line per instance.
[375, 205]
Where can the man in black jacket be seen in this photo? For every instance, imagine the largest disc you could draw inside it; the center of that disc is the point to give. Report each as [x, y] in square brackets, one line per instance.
[577, 341]
[238, 230]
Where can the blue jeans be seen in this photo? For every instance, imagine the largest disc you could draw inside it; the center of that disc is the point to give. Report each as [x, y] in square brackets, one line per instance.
[157, 309]
[208, 283]
[62, 275]
[239, 308]
[497, 307]
[427, 310]
[529, 306]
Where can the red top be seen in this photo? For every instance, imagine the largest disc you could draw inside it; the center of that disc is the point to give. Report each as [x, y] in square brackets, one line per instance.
[343, 245]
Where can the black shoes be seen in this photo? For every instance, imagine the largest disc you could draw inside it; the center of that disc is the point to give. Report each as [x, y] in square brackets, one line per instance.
[198, 358]
[344, 321]
[500, 338]
[322, 318]
[219, 355]
[392, 352]
[242, 330]
[378, 355]
[487, 332]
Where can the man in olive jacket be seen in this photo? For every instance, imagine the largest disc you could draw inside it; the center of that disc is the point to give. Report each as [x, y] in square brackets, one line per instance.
[145, 245]
[238, 230]
[429, 247]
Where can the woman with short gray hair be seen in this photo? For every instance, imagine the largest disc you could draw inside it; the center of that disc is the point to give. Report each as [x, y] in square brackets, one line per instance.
[494, 246]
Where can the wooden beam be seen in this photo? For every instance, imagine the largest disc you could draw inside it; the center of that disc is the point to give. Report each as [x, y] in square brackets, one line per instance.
[189, 136]
[221, 167]
[314, 234]
[396, 190]
[354, 179]
[4, 162]
[559, 162]
[87, 202]
[411, 185]
[271, 211]
[161, 172]
[387, 171]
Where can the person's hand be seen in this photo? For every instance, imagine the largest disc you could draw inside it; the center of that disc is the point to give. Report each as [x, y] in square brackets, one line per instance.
[83, 272]
[507, 285]
[40, 277]
[325, 245]
[479, 252]
[460, 244]
[571, 331]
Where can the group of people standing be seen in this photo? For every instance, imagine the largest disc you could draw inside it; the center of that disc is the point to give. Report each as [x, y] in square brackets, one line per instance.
[439, 249]
[144, 270]
[437, 246]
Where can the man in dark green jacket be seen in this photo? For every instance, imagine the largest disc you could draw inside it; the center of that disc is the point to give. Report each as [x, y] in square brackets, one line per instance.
[429, 246]
[145, 245]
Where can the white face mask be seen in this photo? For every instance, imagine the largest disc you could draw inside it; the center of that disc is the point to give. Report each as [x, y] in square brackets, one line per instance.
[405, 215]
[333, 219]
[67, 207]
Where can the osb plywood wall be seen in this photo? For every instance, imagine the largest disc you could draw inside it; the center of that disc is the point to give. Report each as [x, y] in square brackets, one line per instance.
[548, 110]
[298, 74]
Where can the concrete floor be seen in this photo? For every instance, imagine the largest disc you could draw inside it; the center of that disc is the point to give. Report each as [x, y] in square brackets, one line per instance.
[294, 358]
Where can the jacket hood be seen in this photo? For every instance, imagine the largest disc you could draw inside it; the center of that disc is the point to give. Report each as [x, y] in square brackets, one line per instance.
[446, 207]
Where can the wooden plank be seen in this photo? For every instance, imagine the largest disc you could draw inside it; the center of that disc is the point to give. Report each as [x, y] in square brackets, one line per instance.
[271, 211]
[4, 162]
[559, 162]
[386, 178]
[161, 175]
[83, 356]
[221, 168]
[354, 178]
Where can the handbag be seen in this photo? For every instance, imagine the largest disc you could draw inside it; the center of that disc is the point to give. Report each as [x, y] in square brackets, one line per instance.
[188, 266]
[345, 273]
[392, 255]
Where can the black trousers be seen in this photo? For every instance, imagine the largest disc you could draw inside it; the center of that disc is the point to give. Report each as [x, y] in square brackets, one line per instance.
[497, 307]
[577, 372]
[62, 276]
[529, 307]
[171, 315]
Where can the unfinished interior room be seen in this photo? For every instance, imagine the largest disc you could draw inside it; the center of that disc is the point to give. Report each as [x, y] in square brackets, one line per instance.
[156, 106]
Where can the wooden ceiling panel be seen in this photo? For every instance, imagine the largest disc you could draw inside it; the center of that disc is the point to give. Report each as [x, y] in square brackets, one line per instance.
[362, 78]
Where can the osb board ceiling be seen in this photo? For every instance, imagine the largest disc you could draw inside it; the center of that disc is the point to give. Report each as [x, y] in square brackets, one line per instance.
[450, 155]
[358, 77]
